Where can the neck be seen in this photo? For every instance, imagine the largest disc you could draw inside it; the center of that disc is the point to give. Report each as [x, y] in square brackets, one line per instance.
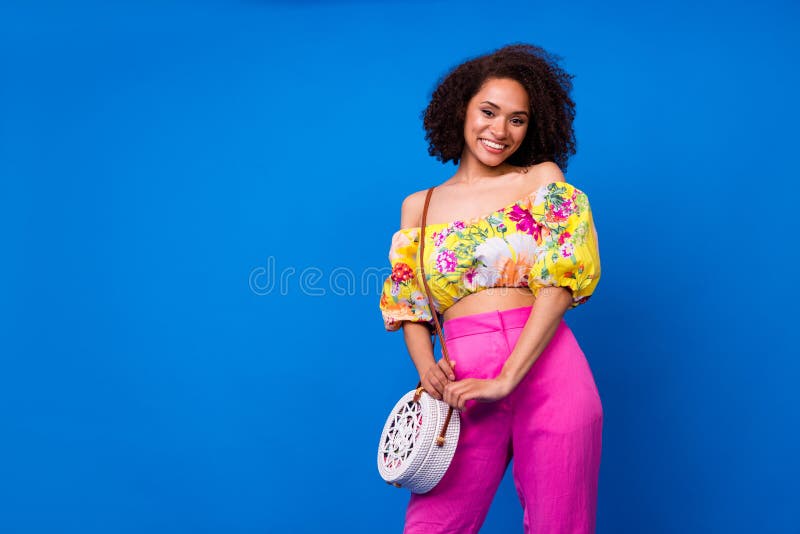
[471, 170]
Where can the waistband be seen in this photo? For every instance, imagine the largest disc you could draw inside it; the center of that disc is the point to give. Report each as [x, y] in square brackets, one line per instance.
[481, 323]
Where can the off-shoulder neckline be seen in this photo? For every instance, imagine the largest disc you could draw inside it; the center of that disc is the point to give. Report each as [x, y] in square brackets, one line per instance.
[473, 220]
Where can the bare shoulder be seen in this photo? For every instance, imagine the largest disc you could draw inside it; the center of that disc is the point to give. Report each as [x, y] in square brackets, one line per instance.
[545, 173]
[411, 210]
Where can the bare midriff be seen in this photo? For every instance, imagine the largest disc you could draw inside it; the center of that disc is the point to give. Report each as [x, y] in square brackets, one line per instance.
[491, 299]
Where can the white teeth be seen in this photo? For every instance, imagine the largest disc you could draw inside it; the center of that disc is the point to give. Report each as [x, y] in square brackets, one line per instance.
[488, 143]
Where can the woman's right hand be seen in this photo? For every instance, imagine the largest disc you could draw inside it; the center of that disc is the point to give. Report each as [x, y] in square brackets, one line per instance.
[436, 376]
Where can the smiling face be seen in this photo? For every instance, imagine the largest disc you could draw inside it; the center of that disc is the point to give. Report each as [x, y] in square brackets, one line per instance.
[496, 121]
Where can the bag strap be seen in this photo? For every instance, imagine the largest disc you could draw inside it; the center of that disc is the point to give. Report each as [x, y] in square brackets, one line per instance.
[425, 278]
[441, 437]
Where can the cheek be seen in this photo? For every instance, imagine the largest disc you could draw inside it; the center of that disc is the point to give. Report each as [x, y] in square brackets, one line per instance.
[477, 119]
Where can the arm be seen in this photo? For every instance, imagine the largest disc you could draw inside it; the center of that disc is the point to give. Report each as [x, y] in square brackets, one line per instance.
[547, 313]
[432, 375]
[417, 336]
[418, 342]
[563, 276]
[551, 304]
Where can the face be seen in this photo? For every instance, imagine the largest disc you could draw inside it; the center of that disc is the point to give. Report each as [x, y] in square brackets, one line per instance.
[496, 121]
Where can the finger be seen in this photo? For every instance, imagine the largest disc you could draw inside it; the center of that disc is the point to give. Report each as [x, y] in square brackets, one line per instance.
[429, 385]
[459, 396]
[438, 386]
[447, 369]
[433, 388]
[442, 380]
[447, 397]
[462, 399]
[430, 390]
[439, 375]
[451, 392]
[458, 393]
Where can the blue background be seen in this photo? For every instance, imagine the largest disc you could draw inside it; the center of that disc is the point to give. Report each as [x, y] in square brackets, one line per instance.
[157, 157]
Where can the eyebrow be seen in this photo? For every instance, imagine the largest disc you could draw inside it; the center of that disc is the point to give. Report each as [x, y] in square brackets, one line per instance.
[498, 107]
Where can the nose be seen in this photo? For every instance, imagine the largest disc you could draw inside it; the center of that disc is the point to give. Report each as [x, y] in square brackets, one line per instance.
[498, 128]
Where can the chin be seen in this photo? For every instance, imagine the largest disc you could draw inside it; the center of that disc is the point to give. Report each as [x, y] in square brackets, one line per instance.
[495, 160]
[493, 163]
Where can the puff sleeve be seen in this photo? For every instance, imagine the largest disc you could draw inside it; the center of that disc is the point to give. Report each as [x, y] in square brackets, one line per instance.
[402, 297]
[568, 253]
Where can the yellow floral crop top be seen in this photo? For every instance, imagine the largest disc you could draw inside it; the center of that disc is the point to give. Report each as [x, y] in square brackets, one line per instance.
[546, 238]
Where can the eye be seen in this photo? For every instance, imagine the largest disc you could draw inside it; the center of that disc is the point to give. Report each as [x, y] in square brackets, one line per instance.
[518, 121]
[487, 112]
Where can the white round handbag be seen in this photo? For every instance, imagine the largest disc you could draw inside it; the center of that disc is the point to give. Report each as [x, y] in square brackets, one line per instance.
[413, 452]
[421, 433]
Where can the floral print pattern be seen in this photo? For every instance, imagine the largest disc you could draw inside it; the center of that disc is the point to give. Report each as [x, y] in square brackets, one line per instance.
[446, 261]
[545, 239]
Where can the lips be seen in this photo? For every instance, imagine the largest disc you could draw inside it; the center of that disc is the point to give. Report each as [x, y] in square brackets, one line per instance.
[492, 146]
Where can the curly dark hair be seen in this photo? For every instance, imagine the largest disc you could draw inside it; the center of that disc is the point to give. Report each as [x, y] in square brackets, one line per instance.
[550, 135]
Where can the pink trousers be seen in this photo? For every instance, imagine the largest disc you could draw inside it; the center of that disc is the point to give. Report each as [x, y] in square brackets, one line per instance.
[551, 424]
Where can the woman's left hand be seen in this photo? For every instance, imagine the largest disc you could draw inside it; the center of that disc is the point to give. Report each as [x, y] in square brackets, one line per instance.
[457, 393]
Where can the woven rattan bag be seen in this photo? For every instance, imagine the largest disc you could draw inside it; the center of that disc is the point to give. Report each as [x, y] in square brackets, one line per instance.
[421, 433]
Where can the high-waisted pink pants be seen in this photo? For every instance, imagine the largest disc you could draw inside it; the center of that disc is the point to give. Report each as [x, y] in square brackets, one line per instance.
[551, 423]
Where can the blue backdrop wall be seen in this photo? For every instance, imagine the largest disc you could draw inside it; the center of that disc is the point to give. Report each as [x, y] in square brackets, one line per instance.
[194, 195]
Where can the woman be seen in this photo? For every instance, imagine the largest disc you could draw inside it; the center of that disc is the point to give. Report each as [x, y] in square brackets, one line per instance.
[503, 277]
